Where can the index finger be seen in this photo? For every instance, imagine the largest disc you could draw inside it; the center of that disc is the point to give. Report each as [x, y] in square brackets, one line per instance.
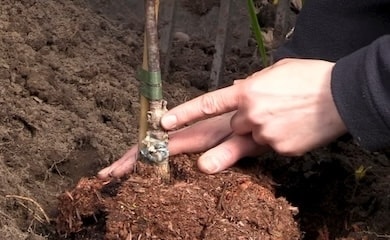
[207, 105]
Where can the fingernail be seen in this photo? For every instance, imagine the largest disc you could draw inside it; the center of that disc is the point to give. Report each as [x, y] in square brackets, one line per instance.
[169, 121]
[209, 164]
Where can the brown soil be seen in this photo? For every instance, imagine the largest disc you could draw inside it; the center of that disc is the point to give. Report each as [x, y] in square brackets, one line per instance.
[69, 106]
[193, 206]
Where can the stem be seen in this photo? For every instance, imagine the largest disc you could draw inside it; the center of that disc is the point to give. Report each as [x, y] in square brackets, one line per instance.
[144, 101]
[152, 36]
[154, 140]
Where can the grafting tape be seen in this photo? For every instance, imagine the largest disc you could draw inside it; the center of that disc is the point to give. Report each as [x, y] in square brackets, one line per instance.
[151, 86]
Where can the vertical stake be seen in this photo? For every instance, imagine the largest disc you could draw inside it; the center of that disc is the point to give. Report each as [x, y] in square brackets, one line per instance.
[217, 69]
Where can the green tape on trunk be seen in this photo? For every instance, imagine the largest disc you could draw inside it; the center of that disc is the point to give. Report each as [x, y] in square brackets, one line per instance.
[151, 87]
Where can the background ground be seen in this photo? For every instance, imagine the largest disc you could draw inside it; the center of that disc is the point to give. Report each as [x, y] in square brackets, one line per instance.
[69, 105]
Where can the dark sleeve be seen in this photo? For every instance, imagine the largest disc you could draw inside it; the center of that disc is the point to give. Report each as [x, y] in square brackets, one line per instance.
[332, 29]
[361, 90]
[356, 35]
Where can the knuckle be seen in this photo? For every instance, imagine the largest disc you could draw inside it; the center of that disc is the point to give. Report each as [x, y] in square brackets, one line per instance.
[250, 86]
[209, 105]
[255, 118]
[248, 90]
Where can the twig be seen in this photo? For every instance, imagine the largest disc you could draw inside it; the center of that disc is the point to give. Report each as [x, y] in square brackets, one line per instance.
[129, 236]
[387, 236]
[221, 201]
[54, 166]
[32, 201]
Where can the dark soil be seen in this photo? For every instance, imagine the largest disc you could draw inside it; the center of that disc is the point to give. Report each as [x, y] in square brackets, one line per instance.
[69, 106]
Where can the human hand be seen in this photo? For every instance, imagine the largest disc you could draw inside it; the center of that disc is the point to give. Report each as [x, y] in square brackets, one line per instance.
[212, 135]
[288, 106]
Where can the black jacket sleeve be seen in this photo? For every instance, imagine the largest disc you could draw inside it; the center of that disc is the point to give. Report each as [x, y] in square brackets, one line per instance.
[355, 35]
[361, 91]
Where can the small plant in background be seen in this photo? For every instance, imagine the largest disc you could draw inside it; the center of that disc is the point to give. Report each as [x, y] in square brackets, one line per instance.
[359, 175]
[256, 29]
[272, 23]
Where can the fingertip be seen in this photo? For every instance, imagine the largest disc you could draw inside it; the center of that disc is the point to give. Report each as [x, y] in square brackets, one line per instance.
[105, 173]
[120, 167]
[228, 153]
[216, 159]
[169, 121]
[209, 164]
